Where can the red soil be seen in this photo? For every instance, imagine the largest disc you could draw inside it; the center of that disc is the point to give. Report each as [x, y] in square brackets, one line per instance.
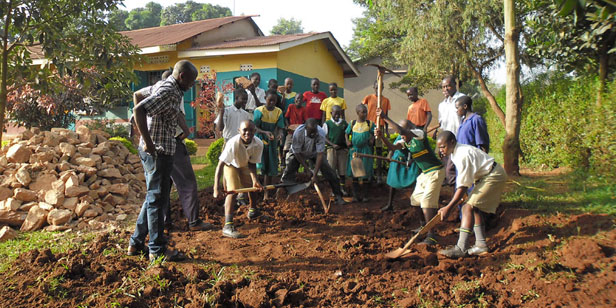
[297, 256]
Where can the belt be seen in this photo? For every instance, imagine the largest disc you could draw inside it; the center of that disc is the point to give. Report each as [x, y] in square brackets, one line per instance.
[492, 168]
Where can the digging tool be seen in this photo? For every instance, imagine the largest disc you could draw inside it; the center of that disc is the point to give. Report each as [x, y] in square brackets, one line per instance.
[253, 189]
[357, 164]
[379, 79]
[325, 206]
[400, 251]
[297, 188]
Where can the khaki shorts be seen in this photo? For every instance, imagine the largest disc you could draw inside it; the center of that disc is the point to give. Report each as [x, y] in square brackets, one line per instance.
[337, 159]
[488, 190]
[236, 178]
[428, 189]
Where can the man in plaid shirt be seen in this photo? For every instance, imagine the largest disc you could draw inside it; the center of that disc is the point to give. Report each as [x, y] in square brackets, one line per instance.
[156, 118]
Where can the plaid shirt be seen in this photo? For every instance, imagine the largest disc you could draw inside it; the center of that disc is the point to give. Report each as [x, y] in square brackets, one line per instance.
[162, 108]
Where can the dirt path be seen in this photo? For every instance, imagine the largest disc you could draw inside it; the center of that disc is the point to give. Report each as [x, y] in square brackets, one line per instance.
[299, 257]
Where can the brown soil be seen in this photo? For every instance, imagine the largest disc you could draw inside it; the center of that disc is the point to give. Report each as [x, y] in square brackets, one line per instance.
[296, 256]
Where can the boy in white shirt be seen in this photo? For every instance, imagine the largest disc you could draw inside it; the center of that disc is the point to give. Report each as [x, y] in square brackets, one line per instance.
[238, 164]
[476, 167]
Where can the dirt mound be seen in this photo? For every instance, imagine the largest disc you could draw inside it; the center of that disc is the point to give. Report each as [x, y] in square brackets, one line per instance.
[295, 255]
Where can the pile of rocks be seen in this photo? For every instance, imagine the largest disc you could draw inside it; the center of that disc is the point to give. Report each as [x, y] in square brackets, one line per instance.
[61, 179]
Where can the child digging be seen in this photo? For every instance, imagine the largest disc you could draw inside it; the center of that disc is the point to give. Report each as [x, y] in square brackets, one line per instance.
[337, 151]
[269, 118]
[476, 167]
[238, 162]
[362, 140]
[429, 182]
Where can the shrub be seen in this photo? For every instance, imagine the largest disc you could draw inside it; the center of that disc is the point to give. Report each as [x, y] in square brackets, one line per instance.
[213, 152]
[191, 146]
[129, 145]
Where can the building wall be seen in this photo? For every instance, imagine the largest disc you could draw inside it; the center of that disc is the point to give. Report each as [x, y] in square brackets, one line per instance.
[233, 31]
[312, 60]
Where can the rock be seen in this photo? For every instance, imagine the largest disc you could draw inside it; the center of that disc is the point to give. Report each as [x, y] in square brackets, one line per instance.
[57, 228]
[5, 193]
[6, 233]
[121, 217]
[67, 149]
[46, 206]
[82, 131]
[84, 151]
[75, 191]
[82, 207]
[35, 220]
[58, 217]
[58, 185]
[51, 139]
[63, 166]
[43, 182]
[11, 204]
[120, 189]
[23, 176]
[15, 219]
[90, 213]
[18, 153]
[27, 206]
[85, 161]
[70, 203]
[89, 171]
[25, 195]
[102, 148]
[42, 157]
[26, 134]
[54, 197]
[110, 173]
[132, 159]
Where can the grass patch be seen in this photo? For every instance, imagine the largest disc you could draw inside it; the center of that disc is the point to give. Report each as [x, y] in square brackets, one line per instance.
[205, 176]
[58, 242]
[572, 192]
[199, 160]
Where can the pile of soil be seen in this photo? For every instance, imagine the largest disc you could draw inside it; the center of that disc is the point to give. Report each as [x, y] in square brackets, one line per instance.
[296, 256]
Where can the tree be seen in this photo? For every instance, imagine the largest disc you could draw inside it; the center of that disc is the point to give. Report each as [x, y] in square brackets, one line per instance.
[287, 26]
[76, 40]
[147, 17]
[117, 19]
[511, 144]
[208, 11]
[179, 13]
[435, 38]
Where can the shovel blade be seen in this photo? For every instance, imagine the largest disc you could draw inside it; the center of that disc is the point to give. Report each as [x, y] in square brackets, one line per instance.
[297, 188]
[395, 254]
[357, 166]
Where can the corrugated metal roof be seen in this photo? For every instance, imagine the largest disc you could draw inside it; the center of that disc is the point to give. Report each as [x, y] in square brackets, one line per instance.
[256, 41]
[172, 34]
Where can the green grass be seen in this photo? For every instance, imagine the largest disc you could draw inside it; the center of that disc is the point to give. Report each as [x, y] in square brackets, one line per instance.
[205, 176]
[568, 193]
[199, 160]
[56, 241]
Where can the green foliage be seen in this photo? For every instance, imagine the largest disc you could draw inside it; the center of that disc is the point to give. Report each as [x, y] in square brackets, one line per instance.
[191, 11]
[5, 142]
[110, 127]
[116, 19]
[147, 17]
[287, 26]
[191, 146]
[214, 151]
[129, 145]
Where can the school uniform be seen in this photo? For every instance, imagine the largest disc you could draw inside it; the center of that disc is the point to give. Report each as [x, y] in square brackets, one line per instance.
[236, 156]
[474, 131]
[268, 120]
[329, 103]
[334, 131]
[360, 133]
[476, 167]
[429, 182]
[232, 118]
[295, 116]
[400, 176]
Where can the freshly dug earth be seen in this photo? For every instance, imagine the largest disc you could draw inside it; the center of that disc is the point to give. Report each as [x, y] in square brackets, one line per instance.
[295, 256]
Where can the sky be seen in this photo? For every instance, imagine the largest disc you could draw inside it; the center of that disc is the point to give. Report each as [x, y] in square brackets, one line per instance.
[316, 15]
[335, 16]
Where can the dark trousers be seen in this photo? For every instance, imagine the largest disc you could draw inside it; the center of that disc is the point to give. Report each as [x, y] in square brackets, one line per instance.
[290, 172]
[150, 220]
[183, 177]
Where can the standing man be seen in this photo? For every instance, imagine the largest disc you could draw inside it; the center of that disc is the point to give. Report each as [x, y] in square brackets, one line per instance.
[371, 102]
[156, 149]
[419, 112]
[449, 120]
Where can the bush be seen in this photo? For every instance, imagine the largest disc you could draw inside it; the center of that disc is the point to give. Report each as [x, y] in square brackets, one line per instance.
[129, 145]
[213, 152]
[110, 127]
[191, 146]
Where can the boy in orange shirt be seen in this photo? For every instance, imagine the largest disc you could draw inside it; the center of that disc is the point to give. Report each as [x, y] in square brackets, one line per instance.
[419, 112]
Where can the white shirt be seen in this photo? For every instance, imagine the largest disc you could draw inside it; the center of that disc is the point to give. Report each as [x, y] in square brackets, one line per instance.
[471, 164]
[239, 155]
[251, 105]
[448, 115]
[232, 118]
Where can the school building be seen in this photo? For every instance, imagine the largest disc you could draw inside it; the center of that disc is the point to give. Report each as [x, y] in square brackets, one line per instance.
[229, 47]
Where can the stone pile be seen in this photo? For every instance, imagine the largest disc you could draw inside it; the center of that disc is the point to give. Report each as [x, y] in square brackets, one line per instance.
[61, 179]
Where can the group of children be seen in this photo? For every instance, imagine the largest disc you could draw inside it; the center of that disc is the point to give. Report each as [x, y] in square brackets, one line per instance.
[296, 129]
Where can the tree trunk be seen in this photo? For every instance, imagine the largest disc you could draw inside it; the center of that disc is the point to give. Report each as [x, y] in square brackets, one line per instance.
[511, 144]
[4, 66]
[486, 92]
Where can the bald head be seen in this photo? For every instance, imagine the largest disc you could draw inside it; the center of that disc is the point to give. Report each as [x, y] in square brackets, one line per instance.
[185, 73]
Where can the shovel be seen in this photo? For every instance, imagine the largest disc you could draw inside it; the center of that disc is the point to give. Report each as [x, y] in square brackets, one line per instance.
[357, 164]
[253, 189]
[394, 254]
[296, 187]
[325, 206]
